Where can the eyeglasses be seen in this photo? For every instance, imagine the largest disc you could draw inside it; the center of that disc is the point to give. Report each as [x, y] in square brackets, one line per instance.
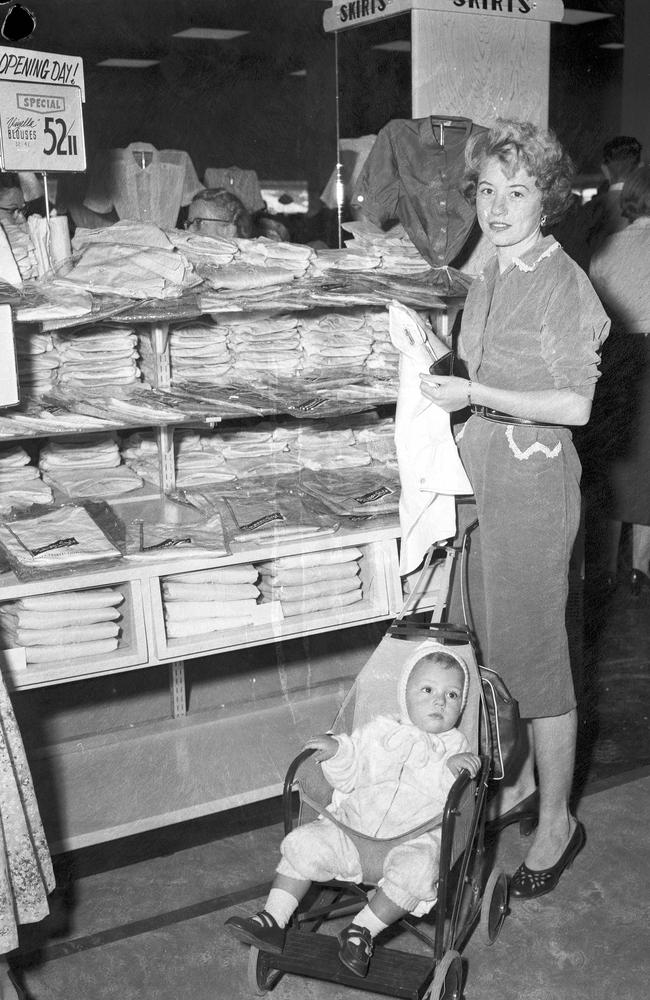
[201, 218]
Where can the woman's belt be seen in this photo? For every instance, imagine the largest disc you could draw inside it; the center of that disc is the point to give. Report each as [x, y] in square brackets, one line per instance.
[505, 418]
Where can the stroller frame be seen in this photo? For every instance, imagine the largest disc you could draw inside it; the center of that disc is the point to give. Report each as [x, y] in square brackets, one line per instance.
[467, 892]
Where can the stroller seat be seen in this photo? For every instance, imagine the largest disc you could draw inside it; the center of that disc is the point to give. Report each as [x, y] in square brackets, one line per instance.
[463, 882]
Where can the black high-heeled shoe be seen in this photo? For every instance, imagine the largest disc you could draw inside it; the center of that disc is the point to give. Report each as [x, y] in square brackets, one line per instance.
[528, 883]
[638, 581]
[525, 813]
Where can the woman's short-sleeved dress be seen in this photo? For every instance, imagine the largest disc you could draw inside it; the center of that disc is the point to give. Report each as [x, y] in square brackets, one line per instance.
[26, 875]
[538, 325]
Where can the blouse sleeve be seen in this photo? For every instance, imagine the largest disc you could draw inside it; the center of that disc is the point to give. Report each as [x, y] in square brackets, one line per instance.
[574, 329]
[377, 189]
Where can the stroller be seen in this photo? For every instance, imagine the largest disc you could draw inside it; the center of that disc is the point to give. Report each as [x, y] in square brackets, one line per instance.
[468, 892]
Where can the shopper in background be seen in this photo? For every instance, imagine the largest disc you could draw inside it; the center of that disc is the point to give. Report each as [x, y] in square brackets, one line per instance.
[602, 215]
[531, 332]
[26, 875]
[620, 272]
[12, 201]
[217, 212]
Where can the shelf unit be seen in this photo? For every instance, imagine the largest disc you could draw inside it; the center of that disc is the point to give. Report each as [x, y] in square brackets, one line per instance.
[193, 763]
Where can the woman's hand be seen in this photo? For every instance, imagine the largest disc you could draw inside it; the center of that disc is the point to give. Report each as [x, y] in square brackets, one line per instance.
[448, 392]
[469, 761]
[325, 746]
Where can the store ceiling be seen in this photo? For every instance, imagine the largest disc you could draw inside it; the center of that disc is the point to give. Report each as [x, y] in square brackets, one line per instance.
[278, 32]
[147, 29]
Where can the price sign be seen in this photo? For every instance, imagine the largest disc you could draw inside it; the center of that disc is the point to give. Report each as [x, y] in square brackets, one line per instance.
[41, 119]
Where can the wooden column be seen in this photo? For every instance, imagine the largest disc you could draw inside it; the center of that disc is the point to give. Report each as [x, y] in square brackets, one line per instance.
[635, 119]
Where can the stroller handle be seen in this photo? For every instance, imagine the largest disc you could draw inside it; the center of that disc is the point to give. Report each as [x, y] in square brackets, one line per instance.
[287, 791]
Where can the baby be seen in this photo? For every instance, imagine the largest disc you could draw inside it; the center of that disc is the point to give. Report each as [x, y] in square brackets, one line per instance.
[388, 776]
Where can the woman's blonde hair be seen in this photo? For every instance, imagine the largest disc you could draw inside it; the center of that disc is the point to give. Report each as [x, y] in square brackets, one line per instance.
[522, 144]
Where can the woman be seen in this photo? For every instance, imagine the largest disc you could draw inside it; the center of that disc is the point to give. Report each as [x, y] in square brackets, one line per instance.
[26, 875]
[620, 271]
[531, 331]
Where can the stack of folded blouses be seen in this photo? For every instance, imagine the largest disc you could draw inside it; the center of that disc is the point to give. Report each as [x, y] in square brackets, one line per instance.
[64, 626]
[87, 466]
[377, 437]
[313, 581]
[254, 452]
[37, 360]
[20, 482]
[395, 248]
[322, 444]
[335, 343]
[209, 600]
[107, 354]
[198, 353]
[193, 462]
[383, 361]
[264, 252]
[264, 347]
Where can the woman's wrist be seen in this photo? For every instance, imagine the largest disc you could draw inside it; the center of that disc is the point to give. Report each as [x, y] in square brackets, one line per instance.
[469, 392]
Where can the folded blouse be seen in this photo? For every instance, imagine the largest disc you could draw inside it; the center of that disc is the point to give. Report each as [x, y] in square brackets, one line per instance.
[290, 608]
[103, 597]
[70, 651]
[243, 573]
[208, 591]
[185, 610]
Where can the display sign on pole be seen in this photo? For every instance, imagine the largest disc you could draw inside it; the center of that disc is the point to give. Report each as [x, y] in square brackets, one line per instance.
[41, 119]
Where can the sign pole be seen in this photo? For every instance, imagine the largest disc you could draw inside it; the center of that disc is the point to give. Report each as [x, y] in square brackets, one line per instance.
[47, 197]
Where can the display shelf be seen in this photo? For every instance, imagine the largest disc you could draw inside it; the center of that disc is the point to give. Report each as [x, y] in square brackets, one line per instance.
[194, 761]
[131, 652]
[379, 577]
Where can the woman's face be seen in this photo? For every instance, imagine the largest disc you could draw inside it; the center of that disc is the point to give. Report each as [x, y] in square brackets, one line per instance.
[508, 208]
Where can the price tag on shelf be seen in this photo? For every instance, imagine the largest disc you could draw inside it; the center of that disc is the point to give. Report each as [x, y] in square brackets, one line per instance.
[41, 119]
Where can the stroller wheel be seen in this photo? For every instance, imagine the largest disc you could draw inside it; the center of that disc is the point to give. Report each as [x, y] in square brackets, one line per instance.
[494, 906]
[261, 978]
[447, 982]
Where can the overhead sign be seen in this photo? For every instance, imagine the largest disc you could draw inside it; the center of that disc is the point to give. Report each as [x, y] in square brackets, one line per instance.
[352, 13]
[41, 117]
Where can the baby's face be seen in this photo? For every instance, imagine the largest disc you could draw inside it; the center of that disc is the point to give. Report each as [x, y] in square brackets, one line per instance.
[434, 696]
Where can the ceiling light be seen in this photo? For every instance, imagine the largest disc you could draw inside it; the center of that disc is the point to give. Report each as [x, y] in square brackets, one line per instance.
[582, 16]
[399, 46]
[299, 72]
[612, 45]
[129, 63]
[212, 34]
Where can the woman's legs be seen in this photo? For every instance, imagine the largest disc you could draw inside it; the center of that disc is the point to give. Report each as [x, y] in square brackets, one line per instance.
[554, 744]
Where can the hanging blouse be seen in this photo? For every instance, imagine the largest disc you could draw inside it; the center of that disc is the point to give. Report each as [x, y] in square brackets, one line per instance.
[242, 183]
[142, 183]
[413, 174]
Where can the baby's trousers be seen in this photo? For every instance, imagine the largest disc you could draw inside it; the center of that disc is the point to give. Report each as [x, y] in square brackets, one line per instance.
[321, 851]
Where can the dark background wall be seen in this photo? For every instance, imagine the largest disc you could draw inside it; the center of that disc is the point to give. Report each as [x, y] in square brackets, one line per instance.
[237, 103]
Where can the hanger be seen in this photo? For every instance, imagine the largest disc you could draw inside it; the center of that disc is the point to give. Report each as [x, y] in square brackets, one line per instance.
[444, 122]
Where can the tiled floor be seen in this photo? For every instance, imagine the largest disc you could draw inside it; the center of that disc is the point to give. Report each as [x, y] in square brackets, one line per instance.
[143, 918]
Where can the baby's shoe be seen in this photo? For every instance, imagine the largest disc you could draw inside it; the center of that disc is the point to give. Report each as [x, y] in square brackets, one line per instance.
[260, 930]
[356, 949]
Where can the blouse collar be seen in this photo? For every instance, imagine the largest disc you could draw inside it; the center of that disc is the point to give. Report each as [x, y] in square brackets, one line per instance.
[529, 260]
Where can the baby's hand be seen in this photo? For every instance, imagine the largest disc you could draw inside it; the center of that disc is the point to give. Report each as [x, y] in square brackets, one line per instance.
[325, 745]
[469, 761]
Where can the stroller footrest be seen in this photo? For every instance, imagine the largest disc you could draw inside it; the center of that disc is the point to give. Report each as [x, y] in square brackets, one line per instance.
[392, 972]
